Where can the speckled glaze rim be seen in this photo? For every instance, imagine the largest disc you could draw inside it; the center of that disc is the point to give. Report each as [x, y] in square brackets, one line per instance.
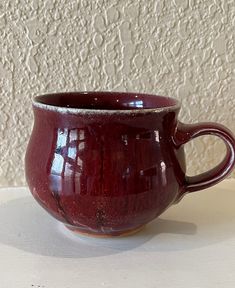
[64, 110]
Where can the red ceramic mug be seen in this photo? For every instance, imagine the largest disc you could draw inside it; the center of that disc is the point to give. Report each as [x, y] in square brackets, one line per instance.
[107, 163]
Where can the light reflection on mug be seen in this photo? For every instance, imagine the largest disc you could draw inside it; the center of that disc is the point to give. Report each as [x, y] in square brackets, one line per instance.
[66, 161]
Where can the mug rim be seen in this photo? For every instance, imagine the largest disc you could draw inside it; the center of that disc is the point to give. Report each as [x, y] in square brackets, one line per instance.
[74, 110]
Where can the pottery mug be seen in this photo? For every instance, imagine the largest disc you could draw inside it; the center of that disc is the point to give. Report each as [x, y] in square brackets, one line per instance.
[107, 163]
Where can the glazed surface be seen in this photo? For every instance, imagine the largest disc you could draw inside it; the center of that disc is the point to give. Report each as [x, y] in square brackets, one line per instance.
[104, 173]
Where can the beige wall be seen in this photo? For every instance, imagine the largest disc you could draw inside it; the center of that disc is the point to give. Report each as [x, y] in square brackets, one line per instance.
[180, 48]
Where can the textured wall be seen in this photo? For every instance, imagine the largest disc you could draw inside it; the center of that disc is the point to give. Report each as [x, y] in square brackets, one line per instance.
[180, 48]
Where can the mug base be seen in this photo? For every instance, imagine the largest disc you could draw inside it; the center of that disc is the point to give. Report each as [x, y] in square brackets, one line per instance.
[105, 235]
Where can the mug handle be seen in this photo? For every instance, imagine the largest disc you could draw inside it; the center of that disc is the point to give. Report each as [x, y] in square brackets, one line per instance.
[187, 132]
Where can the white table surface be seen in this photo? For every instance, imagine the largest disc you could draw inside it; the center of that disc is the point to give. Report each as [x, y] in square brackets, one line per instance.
[192, 245]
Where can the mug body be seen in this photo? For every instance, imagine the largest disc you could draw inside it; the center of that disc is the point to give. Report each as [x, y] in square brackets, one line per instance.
[104, 163]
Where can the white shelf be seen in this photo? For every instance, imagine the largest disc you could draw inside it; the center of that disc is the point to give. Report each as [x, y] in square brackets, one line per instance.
[190, 245]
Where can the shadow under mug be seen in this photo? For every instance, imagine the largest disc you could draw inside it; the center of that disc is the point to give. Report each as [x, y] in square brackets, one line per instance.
[107, 163]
